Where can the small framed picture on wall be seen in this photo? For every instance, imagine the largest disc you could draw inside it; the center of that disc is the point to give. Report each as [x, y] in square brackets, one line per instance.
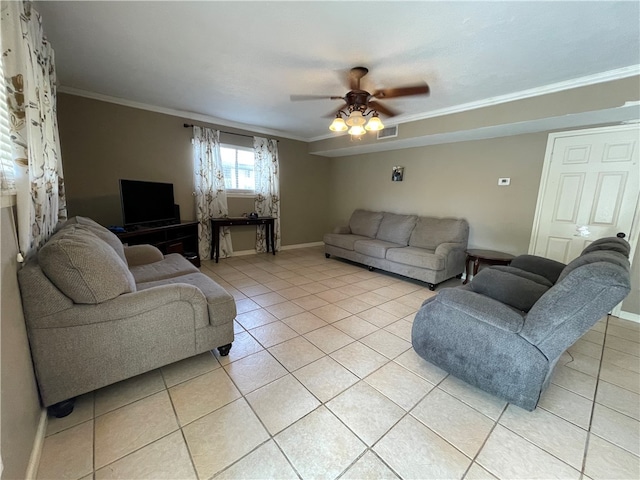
[397, 174]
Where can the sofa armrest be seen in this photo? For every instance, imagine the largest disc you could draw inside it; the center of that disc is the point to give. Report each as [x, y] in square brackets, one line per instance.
[446, 249]
[142, 255]
[545, 267]
[126, 306]
[454, 254]
[343, 230]
[484, 309]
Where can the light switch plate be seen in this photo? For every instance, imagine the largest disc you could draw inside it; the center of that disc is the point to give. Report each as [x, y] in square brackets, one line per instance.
[504, 182]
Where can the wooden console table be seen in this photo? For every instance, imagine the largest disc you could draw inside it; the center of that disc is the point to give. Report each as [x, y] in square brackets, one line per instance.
[216, 223]
[179, 238]
[484, 256]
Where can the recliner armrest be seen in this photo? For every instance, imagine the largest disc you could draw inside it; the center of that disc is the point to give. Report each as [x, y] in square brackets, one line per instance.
[142, 255]
[484, 309]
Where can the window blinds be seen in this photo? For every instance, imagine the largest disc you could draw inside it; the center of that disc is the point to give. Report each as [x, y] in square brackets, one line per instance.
[7, 172]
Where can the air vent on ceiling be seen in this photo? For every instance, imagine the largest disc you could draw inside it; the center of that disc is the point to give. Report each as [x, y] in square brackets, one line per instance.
[388, 132]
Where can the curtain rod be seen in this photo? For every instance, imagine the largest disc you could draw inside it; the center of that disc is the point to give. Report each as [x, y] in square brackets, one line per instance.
[188, 125]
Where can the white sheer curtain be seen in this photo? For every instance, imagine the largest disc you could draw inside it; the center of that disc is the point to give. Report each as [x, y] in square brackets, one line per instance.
[267, 203]
[211, 196]
[29, 79]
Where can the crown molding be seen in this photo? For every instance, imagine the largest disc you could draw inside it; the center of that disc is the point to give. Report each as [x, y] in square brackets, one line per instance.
[178, 113]
[602, 77]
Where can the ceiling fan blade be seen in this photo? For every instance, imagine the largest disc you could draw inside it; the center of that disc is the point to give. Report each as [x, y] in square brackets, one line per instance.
[382, 109]
[422, 89]
[298, 98]
[335, 112]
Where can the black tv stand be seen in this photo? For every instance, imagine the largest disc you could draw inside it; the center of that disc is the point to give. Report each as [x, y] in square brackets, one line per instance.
[181, 237]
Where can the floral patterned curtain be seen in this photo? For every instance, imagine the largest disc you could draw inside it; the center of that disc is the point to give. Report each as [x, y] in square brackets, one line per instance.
[211, 196]
[29, 79]
[267, 203]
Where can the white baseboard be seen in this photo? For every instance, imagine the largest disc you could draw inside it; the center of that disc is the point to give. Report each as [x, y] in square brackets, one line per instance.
[633, 317]
[302, 245]
[38, 442]
[241, 253]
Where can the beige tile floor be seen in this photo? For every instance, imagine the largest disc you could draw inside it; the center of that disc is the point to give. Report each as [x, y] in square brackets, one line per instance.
[322, 382]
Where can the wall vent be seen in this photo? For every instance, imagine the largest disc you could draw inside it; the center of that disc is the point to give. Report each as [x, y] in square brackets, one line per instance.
[388, 132]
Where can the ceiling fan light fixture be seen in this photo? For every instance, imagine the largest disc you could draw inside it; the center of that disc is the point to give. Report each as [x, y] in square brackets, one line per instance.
[338, 125]
[356, 119]
[357, 130]
[374, 123]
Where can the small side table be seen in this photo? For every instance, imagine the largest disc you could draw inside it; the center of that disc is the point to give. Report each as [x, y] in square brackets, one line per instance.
[490, 257]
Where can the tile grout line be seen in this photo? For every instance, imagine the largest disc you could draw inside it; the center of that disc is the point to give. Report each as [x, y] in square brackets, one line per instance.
[593, 404]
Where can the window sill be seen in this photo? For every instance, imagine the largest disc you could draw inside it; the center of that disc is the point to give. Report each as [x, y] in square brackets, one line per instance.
[241, 195]
[7, 200]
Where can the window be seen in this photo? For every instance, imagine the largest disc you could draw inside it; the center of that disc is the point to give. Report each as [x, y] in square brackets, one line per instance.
[7, 173]
[238, 169]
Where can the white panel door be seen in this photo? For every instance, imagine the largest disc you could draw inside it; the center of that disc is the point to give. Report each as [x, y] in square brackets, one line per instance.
[589, 189]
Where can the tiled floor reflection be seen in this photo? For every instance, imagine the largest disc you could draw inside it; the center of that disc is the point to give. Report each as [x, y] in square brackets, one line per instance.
[322, 382]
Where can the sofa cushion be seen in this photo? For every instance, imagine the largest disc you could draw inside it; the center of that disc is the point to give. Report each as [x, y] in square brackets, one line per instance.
[342, 240]
[416, 257]
[220, 303]
[173, 265]
[396, 228]
[365, 223]
[374, 248]
[83, 267]
[513, 290]
[431, 232]
[101, 232]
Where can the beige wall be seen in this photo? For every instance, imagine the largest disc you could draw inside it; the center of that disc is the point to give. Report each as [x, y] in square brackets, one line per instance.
[103, 142]
[452, 180]
[20, 411]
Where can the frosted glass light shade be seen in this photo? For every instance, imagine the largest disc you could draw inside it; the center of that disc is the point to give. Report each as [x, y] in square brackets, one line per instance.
[374, 123]
[357, 130]
[338, 125]
[356, 119]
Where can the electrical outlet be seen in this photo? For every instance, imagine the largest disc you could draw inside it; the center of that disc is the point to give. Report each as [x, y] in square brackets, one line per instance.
[503, 182]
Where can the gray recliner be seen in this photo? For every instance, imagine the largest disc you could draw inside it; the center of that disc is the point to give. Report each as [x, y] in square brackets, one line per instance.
[505, 331]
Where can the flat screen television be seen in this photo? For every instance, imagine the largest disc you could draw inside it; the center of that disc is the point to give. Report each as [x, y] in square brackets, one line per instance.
[147, 203]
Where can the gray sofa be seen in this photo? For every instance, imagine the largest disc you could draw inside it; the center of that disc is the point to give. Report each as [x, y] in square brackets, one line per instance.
[505, 331]
[98, 312]
[425, 248]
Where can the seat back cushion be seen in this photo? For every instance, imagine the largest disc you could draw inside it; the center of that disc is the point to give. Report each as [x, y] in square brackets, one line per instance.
[514, 290]
[609, 243]
[396, 228]
[365, 223]
[83, 267]
[101, 232]
[431, 232]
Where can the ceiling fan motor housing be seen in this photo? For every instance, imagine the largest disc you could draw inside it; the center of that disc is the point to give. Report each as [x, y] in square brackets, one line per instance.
[357, 100]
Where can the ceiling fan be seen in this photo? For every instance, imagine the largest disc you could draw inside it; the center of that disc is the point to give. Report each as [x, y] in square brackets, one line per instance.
[360, 103]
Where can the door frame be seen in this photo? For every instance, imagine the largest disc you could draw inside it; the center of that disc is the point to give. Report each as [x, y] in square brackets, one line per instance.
[544, 178]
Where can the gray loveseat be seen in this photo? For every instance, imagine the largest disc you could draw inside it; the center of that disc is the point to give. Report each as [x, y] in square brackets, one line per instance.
[425, 248]
[505, 331]
[98, 312]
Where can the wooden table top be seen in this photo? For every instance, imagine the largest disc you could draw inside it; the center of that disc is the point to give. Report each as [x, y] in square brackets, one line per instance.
[489, 254]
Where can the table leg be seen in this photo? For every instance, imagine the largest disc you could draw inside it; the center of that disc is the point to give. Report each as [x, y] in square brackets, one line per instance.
[272, 235]
[476, 265]
[216, 242]
[467, 270]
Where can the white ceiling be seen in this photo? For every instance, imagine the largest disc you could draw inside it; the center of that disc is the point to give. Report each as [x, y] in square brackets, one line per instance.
[238, 62]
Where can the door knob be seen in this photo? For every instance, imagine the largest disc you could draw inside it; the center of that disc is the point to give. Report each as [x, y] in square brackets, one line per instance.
[620, 235]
